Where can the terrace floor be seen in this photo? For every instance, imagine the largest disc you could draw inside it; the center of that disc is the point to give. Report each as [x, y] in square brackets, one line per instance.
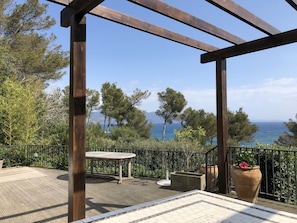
[41, 195]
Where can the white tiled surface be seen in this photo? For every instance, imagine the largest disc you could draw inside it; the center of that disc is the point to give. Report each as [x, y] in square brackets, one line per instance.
[196, 206]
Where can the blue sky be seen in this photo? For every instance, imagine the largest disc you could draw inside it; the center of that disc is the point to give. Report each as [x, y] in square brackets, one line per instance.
[263, 83]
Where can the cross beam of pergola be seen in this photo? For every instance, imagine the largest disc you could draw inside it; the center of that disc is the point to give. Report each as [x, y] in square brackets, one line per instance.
[73, 15]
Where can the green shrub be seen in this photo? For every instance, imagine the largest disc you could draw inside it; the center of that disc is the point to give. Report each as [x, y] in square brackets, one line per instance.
[15, 155]
[279, 163]
[124, 134]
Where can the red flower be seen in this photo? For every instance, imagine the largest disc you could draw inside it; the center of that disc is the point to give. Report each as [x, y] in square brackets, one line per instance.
[244, 165]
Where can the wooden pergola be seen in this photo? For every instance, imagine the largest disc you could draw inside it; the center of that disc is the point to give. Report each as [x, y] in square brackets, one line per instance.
[73, 15]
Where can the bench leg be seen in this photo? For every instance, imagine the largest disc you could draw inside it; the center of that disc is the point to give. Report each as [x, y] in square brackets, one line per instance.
[129, 168]
[120, 171]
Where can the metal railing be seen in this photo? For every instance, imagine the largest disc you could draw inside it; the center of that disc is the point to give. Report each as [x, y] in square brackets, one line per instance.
[36, 155]
[147, 163]
[211, 169]
[279, 172]
[278, 166]
[154, 163]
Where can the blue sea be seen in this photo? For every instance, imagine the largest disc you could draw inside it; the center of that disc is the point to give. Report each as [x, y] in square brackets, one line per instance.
[267, 132]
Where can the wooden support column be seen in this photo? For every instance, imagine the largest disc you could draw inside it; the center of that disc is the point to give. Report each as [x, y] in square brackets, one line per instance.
[222, 125]
[77, 120]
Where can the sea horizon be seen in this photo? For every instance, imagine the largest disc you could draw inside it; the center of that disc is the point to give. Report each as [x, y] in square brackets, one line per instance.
[268, 131]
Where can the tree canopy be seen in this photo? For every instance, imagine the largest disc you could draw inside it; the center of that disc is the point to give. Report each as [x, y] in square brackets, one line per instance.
[27, 51]
[137, 120]
[122, 108]
[171, 104]
[290, 137]
[239, 127]
[197, 119]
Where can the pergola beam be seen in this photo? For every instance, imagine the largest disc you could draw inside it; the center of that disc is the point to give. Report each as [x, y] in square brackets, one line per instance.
[244, 15]
[293, 3]
[187, 19]
[129, 21]
[120, 18]
[252, 46]
[78, 8]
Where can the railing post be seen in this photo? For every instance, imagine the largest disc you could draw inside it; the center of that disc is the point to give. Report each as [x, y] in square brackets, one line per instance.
[206, 175]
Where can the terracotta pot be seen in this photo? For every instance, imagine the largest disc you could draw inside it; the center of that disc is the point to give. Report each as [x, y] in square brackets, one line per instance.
[247, 182]
[212, 173]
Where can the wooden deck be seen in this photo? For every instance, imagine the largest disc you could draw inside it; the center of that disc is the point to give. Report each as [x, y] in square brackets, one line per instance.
[41, 195]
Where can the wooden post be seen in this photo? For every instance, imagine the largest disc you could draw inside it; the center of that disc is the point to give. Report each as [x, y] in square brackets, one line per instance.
[222, 125]
[77, 120]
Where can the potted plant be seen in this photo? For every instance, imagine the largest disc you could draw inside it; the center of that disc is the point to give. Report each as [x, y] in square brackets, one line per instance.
[246, 176]
[185, 180]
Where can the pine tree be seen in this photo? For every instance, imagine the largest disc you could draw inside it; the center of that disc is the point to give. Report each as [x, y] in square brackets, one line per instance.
[26, 48]
[171, 104]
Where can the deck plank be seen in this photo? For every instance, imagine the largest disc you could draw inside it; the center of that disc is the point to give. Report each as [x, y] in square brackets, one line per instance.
[18, 173]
